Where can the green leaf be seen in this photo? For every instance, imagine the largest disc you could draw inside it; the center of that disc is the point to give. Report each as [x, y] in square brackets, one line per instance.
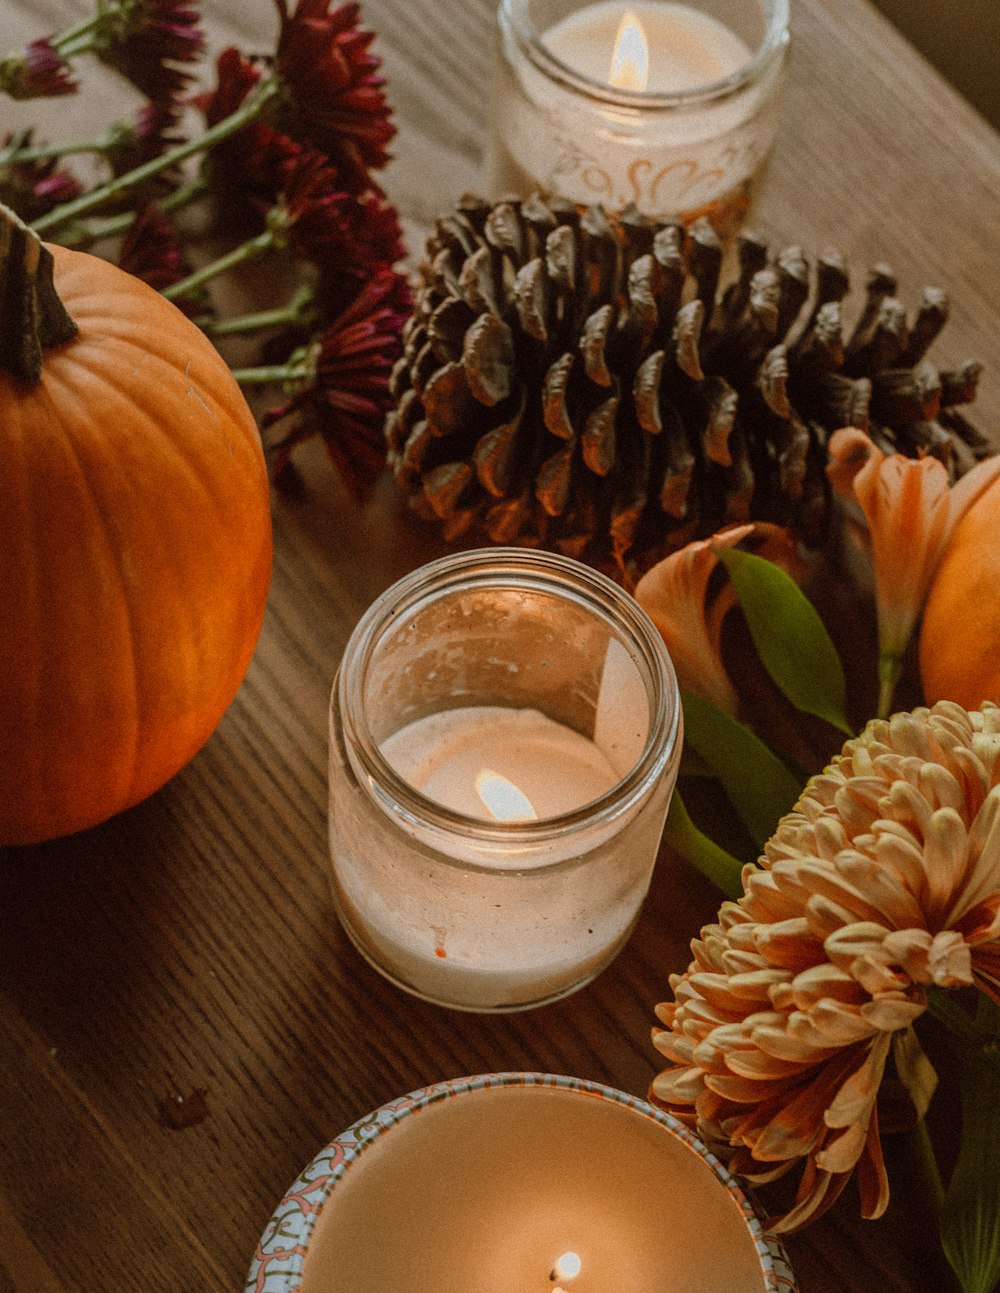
[718, 866]
[970, 1218]
[692, 764]
[758, 784]
[791, 640]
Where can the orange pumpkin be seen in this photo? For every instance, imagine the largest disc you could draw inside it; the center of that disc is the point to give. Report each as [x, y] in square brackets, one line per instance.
[960, 632]
[135, 546]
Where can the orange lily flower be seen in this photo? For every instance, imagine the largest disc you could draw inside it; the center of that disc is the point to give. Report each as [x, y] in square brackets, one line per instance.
[911, 512]
[674, 593]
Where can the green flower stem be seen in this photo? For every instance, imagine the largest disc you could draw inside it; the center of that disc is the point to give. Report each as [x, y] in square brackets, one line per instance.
[84, 235]
[928, 1165]
[114, 225]
[110, 23]
[890, 666]
[970, 1216]
[943, 1006]
[249, 250]
[65, 40]
[248, 110]
[718, 866]
[13, 155]
[282, 316]
[93, 42]
[270, 373]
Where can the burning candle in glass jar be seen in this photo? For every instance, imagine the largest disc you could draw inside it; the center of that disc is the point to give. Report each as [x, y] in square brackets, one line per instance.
[663, 105]
[505, 732]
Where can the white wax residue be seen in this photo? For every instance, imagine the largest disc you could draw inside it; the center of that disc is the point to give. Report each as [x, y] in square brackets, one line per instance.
[687, 49]
[443, 755]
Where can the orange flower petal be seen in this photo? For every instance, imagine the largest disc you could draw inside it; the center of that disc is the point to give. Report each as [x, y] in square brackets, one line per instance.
[855, 1098]
[673, 593]
[911, 513]
[678, 1086]
[841, 1152]
[873, 1183]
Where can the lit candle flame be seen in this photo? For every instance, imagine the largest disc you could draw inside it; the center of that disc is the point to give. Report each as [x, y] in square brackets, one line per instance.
[630, 59]
[503, 799]
[567, 1267]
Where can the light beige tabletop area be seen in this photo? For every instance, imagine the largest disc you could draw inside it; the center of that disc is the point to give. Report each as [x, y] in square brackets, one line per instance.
[188, 949]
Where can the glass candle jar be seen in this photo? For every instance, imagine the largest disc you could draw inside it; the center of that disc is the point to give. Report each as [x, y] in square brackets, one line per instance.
[505, 731]
[669, 107]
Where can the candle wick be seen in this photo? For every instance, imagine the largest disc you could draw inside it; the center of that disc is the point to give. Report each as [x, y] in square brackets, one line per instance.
[567, 1267]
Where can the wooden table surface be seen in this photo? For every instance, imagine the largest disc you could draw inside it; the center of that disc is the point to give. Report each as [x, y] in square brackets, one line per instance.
[189, 946]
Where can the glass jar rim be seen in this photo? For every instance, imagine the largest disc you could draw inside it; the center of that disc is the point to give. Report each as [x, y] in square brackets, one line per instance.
[502, 567]
[773, 45]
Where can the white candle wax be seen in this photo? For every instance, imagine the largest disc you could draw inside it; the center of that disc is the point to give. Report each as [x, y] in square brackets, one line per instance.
[489, 937]
[520, 1189]
[509, 925]
[688, 49]
[456, 757]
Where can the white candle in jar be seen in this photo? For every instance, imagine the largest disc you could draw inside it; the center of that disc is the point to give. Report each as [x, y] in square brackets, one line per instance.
[505, 733]
[667, 107]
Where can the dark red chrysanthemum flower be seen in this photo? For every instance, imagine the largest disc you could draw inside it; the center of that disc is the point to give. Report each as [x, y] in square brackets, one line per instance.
[373, 240]
[377, 237]
[145, 42]
[346, 394]
[151, 250]
[51, 186]
[34, 188]
[152, 131]
[337, 98]
[39, 72]
[236, 76]
[246, 174]
[312, 211]
[246, 169]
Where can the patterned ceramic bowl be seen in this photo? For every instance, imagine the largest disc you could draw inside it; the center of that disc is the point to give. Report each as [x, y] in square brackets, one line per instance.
[517, 1181]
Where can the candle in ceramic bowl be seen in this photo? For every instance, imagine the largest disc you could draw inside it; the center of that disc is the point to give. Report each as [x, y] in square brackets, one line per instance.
[505, 733]
[668, 106]
[517, 1181]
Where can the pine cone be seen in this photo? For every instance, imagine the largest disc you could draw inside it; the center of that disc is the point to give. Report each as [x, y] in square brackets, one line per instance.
[576, 380]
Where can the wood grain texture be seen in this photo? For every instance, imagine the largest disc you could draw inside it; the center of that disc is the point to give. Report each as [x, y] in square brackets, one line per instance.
[189, 946]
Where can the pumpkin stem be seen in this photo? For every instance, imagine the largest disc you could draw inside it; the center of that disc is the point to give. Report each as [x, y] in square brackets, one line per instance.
[32, 317]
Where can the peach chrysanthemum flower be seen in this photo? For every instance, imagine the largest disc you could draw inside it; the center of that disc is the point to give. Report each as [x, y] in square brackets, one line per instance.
[882, 881]
[911, 512]
[675, 594]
